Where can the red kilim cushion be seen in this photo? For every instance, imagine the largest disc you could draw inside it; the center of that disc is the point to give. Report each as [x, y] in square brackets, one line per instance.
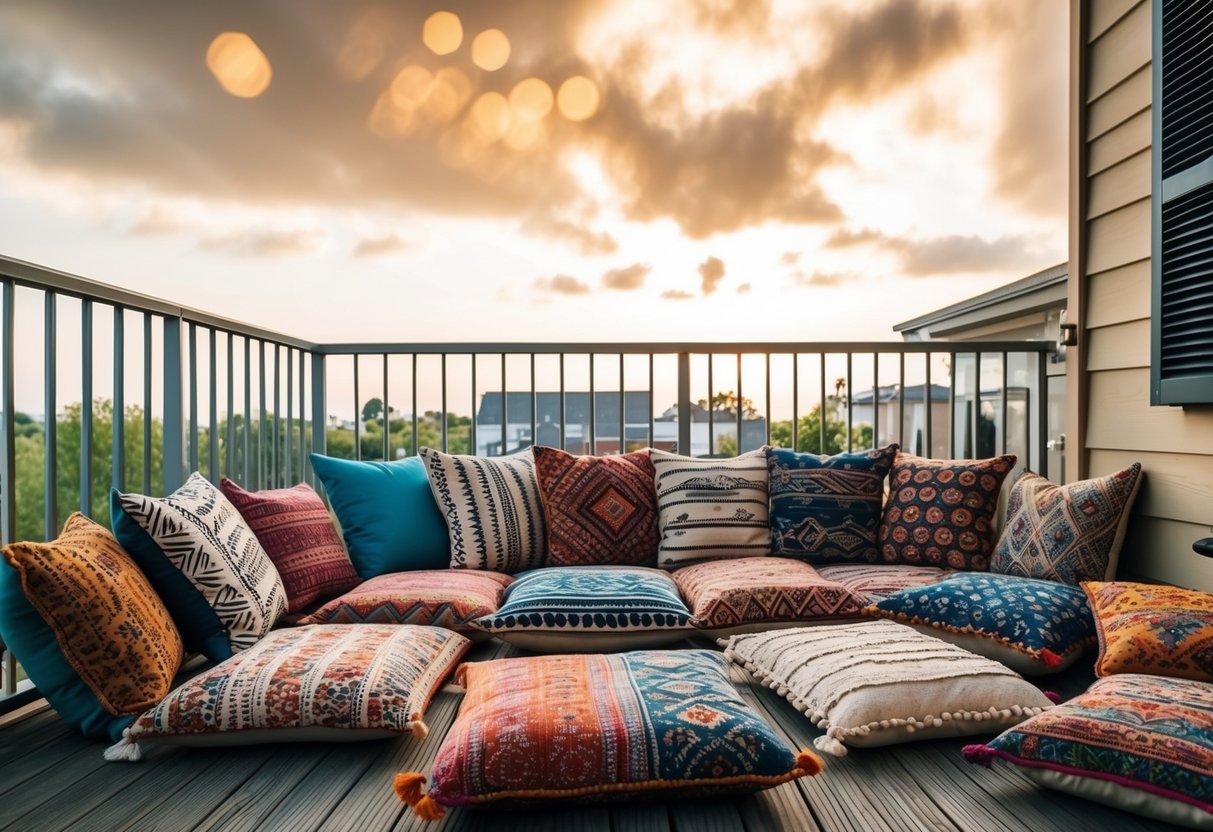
[601, 510]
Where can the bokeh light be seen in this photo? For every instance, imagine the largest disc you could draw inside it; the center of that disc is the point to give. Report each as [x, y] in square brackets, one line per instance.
[490, 50]
[442, 33]
[365, 44]
[448, 95]
[411, 86]
[578, 98]
[490, 116]
[531, 99]
[239, 65]
[523, 134]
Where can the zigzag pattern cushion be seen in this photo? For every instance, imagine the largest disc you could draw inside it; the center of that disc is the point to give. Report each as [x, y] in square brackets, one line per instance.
[1147, 628]
[729, 593]
[583, 726]
[941, 512]
[337, 683]
[878, 581]
[601, 510]
[197, 530]
[450, 598]
[1069, 533]
[711, 508]
[492, 508]
[1135, 742]
[879, 683]
[827, 508]
[294, 528]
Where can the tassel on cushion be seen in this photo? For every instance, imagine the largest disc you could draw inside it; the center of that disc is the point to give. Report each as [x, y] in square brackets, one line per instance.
[1053, 696]
[125, 750]
[809, 763]
[1050, 658]
[407, 786]
[980, 754]
[831, 746]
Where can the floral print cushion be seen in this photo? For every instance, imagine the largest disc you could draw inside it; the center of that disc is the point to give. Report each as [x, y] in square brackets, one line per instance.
[1147, 628]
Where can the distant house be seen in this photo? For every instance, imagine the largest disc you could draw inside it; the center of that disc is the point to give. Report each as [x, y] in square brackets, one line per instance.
[883, 406]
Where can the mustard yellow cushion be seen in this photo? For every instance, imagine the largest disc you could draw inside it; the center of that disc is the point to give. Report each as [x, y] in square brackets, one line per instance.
[1155, 629]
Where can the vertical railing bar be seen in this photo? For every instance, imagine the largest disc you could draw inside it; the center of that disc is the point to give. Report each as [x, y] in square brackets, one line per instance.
[192, 331]
[901, 400]
[593, 411]
[8, 449]
[444, 420]
[622, 405]
[952, 409]
[261, 427]
[86, 406]
[288, 455]
[275, 460]
[50, 420]
[414, 380]
[534, 403]
[358, 413]
[875, 400]
[976, 438]
[246, 427]
[821, 423]
[929, 399]
[319, 405]
[230, 441]
[684, 404]
[711, 411]
[650, 400]
[1002, 404]
[147, 403]
[740, 414]
[505, 409]
[1042, 414]
[387, 422]
[474, 439]
[118, 447]
[850, 398]
[767, 411]
[212, 462]
[563, 442]
[173, 422]
[796, 401]
[304, 461]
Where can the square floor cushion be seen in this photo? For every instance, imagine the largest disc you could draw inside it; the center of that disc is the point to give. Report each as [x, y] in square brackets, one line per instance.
[877, 581]
[878, 683]
[87, 627]
[592, 727]
[1139, 743]
[1151, 628]
[335, 683]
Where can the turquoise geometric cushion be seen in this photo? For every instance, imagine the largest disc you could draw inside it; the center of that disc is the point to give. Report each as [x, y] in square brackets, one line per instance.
[827, 508]
[387, 514]
[1140, 743]
[1043, 622]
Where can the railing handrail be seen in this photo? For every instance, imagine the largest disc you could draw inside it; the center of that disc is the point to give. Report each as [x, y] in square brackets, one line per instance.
[675, 347]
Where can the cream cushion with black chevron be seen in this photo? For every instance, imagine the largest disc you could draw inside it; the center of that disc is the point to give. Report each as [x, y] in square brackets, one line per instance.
[711, 508]
[204, 536]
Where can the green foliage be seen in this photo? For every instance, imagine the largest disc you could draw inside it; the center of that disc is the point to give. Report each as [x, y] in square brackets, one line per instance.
[808, 434]
[340, 442]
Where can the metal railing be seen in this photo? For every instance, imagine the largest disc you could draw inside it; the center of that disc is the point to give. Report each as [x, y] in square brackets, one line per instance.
[183, 390]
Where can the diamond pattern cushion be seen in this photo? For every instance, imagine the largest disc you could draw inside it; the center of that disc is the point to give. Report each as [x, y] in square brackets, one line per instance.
[294, 528]
[827, 508]
[1069, 533]
[1148, 628]
[941, 512]
[729, 593]
[583, 727]
[600, 510]
[438, 597]
[1139, 743]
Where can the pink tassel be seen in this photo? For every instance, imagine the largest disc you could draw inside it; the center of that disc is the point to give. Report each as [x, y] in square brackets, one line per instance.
[980, 754]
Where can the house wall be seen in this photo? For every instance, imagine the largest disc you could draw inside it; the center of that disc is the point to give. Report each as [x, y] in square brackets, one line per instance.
[1110, 240]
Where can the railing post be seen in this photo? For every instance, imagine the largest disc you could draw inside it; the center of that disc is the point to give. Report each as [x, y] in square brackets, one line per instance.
[1042, 418]
[319, 411]
[8, 460]
[684, 403]
[174, 422]
[50, 420]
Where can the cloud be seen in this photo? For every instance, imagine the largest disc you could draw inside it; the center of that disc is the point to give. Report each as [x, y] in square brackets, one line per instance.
[948, 254]
[271, 244]
[587, 242]
[823, 279]
[626, 279]
[790, 258]
[712, 272]
[676, 294]
[562, 284]
[744, 289]
[376, 246]
[154, 221]
[847, 238]
[732, 17]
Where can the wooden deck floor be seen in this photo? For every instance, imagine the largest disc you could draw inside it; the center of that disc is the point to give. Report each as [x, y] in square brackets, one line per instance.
[51, 779]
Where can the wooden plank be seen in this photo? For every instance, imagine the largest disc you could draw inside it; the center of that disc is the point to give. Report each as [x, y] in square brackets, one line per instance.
[639, 817]
[1119, 347]
[1119, 295]
[248, 806]
[316, 796]
[1121, 417]
[1121, 142]
[1176, 487]
[1120, 103]
[33, 734]
[1119, 185]
[29, 775]
[705, 816]
[195, 796]
[1161, 550]
[1120, 51]
[1119, 237]
[1101, 16]
[969, 805]
[64, 764]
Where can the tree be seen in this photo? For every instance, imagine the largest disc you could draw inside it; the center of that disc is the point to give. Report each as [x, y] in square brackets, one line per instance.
[727, 403]
[809, 434]
[372, 411]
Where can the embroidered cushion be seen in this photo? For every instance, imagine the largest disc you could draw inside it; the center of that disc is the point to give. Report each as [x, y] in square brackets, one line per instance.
[294, 528]
[579, 608]
[731, 593]
[601, 510]
[878, 581]
[941, 512]
[87, 627]
[1069, 533]
[438, 597]
[335, 683]
[387, 514]
[1032, 626]
[878, 683]
[492, 508]
[581, 726]
[1139, 743]
[827, 508]
[1146, 628]
[201, 534]
[711, 508]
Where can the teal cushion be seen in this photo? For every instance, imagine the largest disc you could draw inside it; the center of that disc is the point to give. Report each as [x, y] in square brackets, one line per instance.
[387, 514]
[33, 643]
[200, 628]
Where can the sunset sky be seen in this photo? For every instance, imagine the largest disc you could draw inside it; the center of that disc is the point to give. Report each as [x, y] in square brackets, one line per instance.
[721, 170]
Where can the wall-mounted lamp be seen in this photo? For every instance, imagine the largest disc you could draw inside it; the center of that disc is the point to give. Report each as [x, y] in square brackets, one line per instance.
[1069, 335]
[1204, 546]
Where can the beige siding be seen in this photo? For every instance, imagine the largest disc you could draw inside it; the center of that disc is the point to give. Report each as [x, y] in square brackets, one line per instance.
[1174, 445]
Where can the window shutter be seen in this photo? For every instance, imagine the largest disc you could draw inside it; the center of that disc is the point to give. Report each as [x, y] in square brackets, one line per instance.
[1182, 314]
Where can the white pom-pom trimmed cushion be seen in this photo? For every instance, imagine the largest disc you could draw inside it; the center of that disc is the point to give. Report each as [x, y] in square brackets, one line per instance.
[878, 683]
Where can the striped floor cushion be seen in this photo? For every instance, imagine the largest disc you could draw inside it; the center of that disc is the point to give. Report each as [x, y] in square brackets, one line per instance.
[451, 598]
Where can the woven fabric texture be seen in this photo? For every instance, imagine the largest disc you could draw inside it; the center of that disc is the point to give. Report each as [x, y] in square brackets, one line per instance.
[449, 598]
[1152, 628]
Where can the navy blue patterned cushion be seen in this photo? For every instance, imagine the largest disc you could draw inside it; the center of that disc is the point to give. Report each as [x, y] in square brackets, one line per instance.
[1033, 626]
[827, 508]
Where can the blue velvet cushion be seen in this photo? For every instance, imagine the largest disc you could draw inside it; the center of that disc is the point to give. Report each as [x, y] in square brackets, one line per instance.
[387, 514]
[827, 509]
[1043, 622]
[200, 628]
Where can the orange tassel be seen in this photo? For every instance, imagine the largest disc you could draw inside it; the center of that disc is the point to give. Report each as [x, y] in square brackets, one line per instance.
[408, 786]
[809, 763]
[428, 809]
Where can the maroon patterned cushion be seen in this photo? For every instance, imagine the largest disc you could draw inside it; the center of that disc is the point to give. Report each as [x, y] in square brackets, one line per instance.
[601, 510]
[436, 597]
[941, 512]
[295, 529]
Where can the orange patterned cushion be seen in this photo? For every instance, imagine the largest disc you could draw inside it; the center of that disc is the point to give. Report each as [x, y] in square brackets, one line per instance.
[111, 626]
[1155, 629]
